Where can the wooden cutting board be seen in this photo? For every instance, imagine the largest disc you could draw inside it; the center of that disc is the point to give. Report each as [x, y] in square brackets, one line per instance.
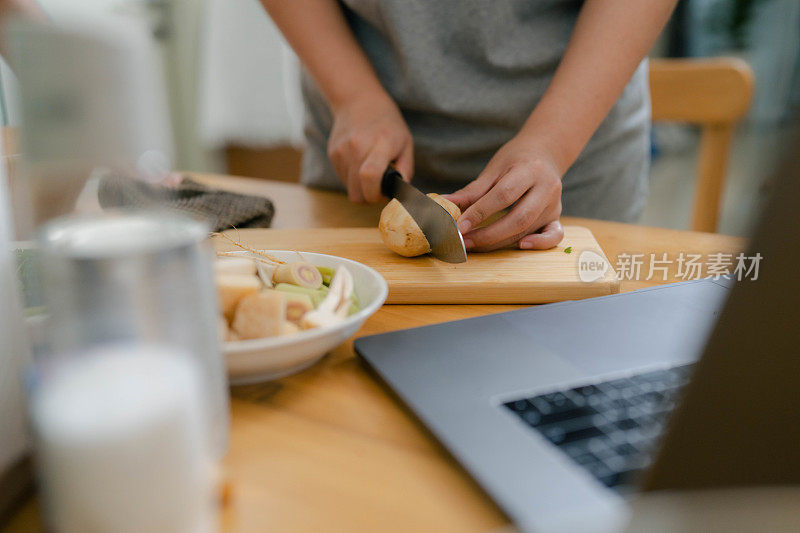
[501, 277]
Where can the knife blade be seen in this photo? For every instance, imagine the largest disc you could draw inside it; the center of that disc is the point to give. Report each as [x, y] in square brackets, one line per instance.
[439, 227]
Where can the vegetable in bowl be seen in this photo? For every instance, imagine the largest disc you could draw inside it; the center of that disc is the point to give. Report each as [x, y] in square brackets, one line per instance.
[266, 358]
[262, 297]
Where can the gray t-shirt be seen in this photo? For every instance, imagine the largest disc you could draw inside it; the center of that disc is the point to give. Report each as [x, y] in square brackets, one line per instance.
[466, 74]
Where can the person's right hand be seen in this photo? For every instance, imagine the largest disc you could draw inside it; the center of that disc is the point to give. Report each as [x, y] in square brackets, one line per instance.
[368, 134]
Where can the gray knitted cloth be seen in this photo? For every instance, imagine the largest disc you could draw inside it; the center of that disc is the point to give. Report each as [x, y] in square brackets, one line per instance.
[222, 209]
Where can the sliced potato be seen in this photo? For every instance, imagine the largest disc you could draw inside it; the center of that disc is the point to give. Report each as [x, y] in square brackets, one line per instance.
[289, 328]
[260, 315]
[235, 266]
[231, 288]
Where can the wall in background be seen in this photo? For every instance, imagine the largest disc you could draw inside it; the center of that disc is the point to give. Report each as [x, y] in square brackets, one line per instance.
[180, 37]
[250, 92]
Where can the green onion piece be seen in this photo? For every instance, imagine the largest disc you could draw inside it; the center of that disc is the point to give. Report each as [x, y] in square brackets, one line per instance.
[316, 295]
[327, 274]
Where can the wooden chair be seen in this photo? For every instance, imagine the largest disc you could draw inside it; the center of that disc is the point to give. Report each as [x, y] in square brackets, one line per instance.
[714, 94]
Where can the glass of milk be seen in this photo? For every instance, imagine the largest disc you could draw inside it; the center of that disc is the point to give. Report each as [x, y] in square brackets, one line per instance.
[135, 277]
[120, 442]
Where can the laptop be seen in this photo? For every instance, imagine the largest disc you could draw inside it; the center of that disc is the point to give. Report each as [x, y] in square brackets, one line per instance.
[563, 412]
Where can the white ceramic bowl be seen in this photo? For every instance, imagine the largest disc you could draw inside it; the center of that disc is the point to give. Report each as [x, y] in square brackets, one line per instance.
[256, 360]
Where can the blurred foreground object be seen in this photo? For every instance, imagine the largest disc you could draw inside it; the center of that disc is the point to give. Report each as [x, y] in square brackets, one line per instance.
[15, 480]
[93, 96]
[120, 443]
[725, 510]
[135, 278]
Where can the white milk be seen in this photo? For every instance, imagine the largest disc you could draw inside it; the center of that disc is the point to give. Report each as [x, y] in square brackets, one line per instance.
[120, 443]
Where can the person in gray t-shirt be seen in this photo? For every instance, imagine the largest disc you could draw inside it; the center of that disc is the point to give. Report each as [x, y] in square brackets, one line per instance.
[518, 105]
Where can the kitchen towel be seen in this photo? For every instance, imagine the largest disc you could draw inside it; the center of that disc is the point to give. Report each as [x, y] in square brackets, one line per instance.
[222, 209]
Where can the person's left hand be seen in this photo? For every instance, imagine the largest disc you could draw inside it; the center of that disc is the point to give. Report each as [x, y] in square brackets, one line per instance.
[520, 175]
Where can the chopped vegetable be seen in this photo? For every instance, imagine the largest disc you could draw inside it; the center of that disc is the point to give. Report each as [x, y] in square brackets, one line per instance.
[235, 266]
[300, 273]
[327, 274]
[231, 288]
[265, 272]
[568, 250]
[289, 328]
[260, 315]
[297, 305]
[354, 305]
[260, 297]
[336, 306]
[316, 295]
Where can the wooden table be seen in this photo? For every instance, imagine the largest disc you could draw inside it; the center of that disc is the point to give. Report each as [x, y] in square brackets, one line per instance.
[329, 449]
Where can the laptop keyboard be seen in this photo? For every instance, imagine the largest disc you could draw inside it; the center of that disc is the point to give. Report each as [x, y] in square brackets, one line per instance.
[608, 428]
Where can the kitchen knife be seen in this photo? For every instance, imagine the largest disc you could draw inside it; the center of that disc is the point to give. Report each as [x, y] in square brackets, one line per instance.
[435, 222]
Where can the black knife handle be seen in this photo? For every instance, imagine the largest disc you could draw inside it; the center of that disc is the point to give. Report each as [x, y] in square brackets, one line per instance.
[389, 183]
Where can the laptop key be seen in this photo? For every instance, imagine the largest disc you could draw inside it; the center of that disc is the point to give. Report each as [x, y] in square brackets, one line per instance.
[571, 414]
[625, 449]
[586, 459]
[519, 405]
[616, 437]
[574, 449]
[608, 391]
[586, 391]
[600, 470]
[626, 477]
[614, 414]
[558, 436]
[557, 399]
[576, 399]
[541, 405]
[532, 417]
[654, 397]
[616, 463]
[602, 449]
[626, 424]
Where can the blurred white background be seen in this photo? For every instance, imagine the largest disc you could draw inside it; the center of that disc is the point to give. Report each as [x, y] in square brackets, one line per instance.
[238, 79]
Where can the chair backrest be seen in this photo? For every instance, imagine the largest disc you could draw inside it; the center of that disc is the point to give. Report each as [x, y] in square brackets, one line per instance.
[714, 94]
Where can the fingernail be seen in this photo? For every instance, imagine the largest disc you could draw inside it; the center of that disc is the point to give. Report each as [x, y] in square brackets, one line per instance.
[468, 243]
[525, 245]
[464, 226]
